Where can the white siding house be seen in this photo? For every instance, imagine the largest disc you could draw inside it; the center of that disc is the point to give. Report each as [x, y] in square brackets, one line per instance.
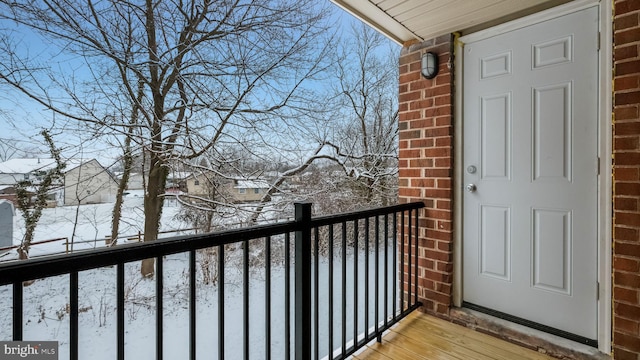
[87, 182]
[84, 181]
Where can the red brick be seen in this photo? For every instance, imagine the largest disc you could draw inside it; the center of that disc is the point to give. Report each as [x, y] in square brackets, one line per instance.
[629, 204]
[626, 174]
[410, 115]
[629, 97]
[437, 132]
[421, 123]
[626, 264]
[444, 121]
[626, 310]
[627, 158]
[626, 234]
[627, 249]
[438, 152]
[625, 22]
[409, 153]
[625, 188]
[409, 173]
[422, 183]
[438, 90]
[621, 354]
[621, 294]
[408, 77]
[626, 36]
[627, 279]
[420, 163]
[627, 6]
[626, 68]
[410, 57]
[437, 297]
[627, 326]
[629, 219]
[627, 143]
[626, 341]
[626, 112]
[627, 82]
[443, 141]
[626, 52]
[420, 104]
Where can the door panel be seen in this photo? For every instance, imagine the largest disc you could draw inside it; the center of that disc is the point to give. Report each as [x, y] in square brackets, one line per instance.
[530, 149]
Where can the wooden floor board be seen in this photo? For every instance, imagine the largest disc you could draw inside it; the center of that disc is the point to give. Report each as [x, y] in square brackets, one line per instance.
[422, 337]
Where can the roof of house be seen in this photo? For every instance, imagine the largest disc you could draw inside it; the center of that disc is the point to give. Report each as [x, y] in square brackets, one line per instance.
[252, 184]
[26, 166]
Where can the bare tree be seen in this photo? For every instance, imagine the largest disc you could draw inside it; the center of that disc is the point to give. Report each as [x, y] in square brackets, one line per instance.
[211, 71]
[366, 143]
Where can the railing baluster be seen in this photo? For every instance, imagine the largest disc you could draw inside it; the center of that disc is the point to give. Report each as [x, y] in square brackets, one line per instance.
[192, 304]
[159, 308]
[330, 242]
[409, 268]
[386, 271]
[402, 272]
[355, 283]
[303, 281]
[73, 315]
[395, 263]
[316, 268]
[376, 304]
[287, 296]
[120, 309]
[17, 311]
[245, 300]
[417, 238]
[366, 277]
[344, 288]
[267, 298]
[221, 302]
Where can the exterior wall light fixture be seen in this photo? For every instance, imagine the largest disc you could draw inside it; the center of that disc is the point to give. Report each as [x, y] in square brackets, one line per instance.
[429, 68]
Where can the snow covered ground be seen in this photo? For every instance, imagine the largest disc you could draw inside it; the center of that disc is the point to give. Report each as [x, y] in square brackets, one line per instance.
[46, 309]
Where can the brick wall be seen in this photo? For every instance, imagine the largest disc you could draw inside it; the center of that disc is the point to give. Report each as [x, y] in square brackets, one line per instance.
[426, 165]
[626, 223]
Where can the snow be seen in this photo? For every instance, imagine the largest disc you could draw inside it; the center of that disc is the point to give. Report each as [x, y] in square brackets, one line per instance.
[25, 166]
[46, 309]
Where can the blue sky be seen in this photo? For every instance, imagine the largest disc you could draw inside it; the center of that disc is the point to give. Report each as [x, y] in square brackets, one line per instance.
[21, 119]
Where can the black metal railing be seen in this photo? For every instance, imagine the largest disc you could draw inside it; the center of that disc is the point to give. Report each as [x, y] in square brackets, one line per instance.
[349, 284]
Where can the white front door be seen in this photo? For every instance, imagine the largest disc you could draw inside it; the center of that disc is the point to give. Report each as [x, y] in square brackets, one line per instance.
[530, 171]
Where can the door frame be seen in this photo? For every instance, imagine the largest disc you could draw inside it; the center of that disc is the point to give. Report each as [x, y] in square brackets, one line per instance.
[605, 116]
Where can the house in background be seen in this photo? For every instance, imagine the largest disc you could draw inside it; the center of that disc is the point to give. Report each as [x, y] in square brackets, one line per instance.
[249, 190]
[202, 184]
[88, 182]
[520, 130]
[84, 181]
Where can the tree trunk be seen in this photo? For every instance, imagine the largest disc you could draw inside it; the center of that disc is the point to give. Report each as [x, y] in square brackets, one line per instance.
[153, 201]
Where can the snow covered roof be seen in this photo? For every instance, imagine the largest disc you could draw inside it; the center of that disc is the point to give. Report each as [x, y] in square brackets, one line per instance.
[251, 184]
[26, 166]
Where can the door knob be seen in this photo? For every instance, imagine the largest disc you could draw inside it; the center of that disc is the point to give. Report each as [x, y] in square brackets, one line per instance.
[471, 188]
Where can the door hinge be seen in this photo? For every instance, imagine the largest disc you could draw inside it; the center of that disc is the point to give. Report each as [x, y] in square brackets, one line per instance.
[598, 42]
[598, 290]
[598, 165]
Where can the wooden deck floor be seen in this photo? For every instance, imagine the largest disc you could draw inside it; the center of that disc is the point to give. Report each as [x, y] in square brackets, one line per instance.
[423, 337]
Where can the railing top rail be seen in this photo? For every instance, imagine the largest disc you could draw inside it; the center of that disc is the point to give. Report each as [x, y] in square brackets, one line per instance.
[17, 271]
[356, 215]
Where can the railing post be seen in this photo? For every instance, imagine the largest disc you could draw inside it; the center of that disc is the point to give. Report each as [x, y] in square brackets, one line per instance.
[303, 282]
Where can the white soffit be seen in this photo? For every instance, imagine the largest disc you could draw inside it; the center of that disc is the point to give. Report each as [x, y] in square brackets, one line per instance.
[404, 20]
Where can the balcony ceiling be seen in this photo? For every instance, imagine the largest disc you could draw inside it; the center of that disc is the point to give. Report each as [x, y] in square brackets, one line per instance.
[404, 20]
